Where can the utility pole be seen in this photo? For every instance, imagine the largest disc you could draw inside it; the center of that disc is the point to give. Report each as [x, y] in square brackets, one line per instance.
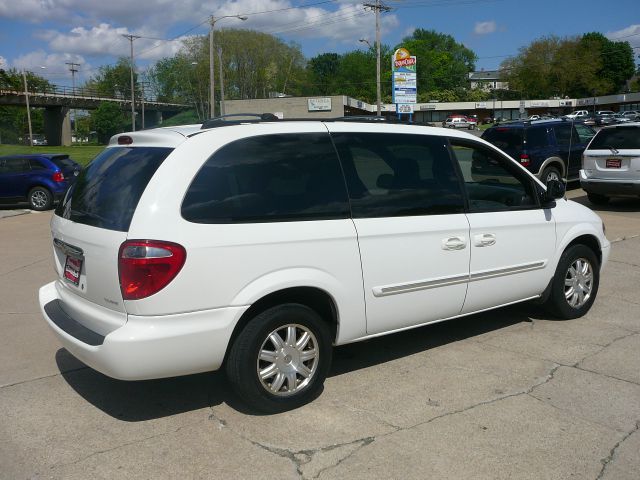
[212, 89]
[74, 70]
[131, 38]
[378, 7]
[212, 80]
[26, 97]
[142, 86]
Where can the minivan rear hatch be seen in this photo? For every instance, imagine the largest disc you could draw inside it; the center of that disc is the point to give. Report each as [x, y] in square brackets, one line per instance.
[89, 226]
[614, 154]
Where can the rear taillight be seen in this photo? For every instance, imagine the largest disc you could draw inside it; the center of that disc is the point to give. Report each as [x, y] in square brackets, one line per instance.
[58, 177]
[147, 266]
[525, 161]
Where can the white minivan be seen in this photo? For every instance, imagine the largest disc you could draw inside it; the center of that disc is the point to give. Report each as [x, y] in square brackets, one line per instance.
[257, 246]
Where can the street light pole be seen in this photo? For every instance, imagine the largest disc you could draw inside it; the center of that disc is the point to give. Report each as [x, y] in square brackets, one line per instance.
[26, 97]
[212, 89]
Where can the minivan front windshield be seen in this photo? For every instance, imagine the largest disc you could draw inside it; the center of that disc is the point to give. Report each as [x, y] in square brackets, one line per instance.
[107, 191]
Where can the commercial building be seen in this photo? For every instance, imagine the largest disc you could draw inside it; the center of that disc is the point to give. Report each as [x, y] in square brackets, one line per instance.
[341, 105]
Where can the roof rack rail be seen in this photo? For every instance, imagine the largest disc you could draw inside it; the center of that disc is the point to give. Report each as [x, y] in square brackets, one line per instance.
[237, 118]
[244, 118]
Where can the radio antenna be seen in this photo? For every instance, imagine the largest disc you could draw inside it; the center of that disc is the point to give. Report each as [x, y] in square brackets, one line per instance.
[566, 174]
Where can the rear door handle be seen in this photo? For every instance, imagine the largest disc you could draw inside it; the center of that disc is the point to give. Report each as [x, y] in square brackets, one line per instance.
[484, 239]
[454, 243]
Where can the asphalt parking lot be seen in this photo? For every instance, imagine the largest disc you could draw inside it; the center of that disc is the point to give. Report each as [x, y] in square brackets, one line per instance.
[508, 394]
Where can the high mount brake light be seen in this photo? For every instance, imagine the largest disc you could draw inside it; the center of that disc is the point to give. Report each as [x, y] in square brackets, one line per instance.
[125, 140]
[147, 266]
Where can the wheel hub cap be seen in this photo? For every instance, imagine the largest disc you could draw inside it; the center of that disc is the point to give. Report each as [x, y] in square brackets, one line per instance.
[288, 360]
[578, 284]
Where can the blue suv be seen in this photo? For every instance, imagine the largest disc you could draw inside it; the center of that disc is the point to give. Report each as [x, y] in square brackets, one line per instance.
[550, 149]
[38, 179]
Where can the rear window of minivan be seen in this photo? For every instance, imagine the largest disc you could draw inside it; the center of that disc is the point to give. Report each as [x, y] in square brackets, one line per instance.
[107, 191]
[620, 138]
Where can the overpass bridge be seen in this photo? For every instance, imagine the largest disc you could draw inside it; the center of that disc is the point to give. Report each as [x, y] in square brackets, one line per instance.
[58, 101]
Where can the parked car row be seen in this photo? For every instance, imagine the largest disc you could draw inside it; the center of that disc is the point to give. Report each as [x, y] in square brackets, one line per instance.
[607, 163]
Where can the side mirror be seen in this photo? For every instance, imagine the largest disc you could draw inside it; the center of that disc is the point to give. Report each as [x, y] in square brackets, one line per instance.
[555, 190]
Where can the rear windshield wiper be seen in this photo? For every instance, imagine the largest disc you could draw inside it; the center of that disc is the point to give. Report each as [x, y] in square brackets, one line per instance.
[613, 150]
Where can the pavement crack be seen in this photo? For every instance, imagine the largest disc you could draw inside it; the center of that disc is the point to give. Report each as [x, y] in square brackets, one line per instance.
[298, 458]
[363, 443]
[607, 345]
[612, 453]
[625, 263]
[606, 375]
[72, 370]
[117, 447]
[46, 259]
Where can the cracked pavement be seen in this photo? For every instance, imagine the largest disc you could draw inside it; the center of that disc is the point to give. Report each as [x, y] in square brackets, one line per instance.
[504, 394]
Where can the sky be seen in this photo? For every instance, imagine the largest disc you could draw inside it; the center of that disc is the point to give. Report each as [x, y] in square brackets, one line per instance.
[43, 35]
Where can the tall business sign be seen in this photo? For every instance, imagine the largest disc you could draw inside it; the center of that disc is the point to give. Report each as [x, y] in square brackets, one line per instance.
[405, 81]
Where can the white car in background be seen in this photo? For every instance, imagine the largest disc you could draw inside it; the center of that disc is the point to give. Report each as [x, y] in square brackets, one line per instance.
[611, 163]
[257, 246]
[578, 114]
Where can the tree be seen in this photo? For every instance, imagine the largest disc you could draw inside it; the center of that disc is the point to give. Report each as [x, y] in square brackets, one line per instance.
[254, 64]
[107, 120]
[442, 62]
[575, 67]
[323, 71]
[114, 80]
[13, 119]
[617, 59]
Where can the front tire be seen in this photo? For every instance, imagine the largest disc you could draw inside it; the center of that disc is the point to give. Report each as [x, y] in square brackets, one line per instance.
[575, 284]
[40, 199]
[280, 360]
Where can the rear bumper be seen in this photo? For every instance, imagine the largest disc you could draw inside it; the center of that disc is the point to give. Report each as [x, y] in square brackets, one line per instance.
[145, 347]
[609, 187]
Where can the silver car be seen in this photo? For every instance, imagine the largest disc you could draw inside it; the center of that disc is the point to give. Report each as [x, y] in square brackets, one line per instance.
[611, 163]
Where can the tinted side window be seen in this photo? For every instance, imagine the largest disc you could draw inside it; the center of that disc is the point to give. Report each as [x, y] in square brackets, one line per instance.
[269, 178]
[618, 138]
[537, 137]
[492, 181]
[563, 134]
[505, 138]
[37, 164]
[16, 165]
[398, 175]
[108, 190]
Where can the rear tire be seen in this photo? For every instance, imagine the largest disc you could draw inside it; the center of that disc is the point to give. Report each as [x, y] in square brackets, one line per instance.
[597, 199]
[575, 283]
[550, 173]
[40, 199]
[280, 360]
